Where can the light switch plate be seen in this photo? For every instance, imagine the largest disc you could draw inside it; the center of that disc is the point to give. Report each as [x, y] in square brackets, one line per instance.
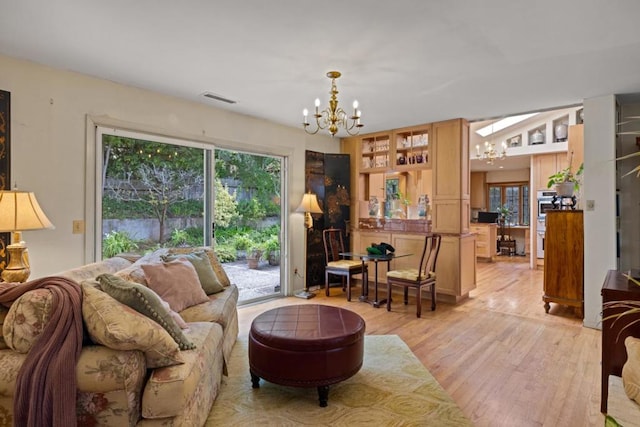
[78, 226]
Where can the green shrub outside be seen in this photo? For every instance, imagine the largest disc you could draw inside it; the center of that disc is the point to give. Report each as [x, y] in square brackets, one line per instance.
[226, 253]
[117, 242]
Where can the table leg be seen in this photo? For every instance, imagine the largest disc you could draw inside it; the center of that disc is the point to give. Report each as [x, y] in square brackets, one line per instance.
[365, 286]
[377, 303]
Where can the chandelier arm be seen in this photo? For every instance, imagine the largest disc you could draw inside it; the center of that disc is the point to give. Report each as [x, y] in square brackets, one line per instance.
[306, 129]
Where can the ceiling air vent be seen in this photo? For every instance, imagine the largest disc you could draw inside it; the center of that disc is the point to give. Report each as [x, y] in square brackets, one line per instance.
[218, 97]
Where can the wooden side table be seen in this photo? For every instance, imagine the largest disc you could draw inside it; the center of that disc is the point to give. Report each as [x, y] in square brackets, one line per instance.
[614, 354]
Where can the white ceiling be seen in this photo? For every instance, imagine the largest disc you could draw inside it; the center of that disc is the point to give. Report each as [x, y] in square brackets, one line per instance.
[406, 61]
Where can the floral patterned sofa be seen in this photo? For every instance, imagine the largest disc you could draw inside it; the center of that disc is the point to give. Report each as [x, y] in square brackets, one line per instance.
[132, 370]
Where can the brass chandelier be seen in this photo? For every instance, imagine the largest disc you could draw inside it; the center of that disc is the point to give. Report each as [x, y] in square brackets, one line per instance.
[490, 154]
[333, 117]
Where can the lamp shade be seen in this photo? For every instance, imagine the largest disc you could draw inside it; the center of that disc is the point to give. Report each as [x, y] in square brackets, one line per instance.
[19, 210]
[309, 204]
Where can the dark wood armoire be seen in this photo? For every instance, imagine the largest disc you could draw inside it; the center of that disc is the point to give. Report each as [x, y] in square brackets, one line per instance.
[564, 259]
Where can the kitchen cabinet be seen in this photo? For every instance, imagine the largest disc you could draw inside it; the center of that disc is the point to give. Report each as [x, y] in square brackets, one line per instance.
[545, 165]
[564, 259]
[477, 190]
[486, 238]
[576, 146]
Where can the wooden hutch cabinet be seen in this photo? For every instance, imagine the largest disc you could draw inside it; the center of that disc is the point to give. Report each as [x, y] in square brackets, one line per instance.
[430, 159]
[564, 259]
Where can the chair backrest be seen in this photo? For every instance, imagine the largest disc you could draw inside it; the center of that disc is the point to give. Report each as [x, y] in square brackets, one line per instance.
[333, 244]
[429, 255]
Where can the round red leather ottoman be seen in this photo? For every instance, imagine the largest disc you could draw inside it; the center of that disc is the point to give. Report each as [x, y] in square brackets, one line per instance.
[307, 345]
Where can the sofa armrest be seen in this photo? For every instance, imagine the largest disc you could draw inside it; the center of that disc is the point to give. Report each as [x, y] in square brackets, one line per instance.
[109, 385]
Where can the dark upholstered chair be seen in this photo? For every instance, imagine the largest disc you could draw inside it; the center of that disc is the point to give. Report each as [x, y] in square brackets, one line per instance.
[422, 277]
[336, 265]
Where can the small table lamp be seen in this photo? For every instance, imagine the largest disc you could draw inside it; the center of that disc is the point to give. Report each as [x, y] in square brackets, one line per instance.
[308, 205]
[19, 210]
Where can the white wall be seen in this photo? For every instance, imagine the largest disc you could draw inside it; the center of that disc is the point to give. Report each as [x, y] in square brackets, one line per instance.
[50, 135]
[599, 186]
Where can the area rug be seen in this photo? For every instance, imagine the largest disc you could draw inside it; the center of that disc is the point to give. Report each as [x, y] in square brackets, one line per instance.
[392, 389]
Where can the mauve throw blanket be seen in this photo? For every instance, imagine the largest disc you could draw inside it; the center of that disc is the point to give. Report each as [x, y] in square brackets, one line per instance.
[46, 385]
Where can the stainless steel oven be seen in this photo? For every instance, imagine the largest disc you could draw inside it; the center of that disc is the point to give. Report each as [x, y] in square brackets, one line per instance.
[545, 203]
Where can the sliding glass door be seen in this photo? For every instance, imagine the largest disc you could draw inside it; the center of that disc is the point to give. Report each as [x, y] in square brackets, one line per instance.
[154, 192]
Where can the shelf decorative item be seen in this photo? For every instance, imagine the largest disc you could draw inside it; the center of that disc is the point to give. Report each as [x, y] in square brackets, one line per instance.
[560, 132]
[536, 137]
[374, 207]
[423, 205]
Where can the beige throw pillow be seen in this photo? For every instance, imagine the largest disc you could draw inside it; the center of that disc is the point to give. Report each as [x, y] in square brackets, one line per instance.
[120, 327]
[144, 301]
[631, 369]
[176, 282]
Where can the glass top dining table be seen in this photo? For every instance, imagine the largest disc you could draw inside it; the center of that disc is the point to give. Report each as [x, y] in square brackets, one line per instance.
[367, 257]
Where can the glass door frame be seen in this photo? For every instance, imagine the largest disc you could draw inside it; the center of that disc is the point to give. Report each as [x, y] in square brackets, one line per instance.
[93, 170]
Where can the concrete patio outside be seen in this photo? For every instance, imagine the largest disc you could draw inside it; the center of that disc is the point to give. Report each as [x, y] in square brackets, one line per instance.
[253, 283]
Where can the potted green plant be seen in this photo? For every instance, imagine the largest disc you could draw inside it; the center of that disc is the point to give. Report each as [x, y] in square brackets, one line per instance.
[505, 212]
[272, 250]
[565, 181]
[254, 254]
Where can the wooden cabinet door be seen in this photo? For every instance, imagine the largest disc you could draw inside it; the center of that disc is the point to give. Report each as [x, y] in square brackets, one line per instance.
[544, 166]
[576, 146]
[477, 190]
[450, 212]
[447, 159]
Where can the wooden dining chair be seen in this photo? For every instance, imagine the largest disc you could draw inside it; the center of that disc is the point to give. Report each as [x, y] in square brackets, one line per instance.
[422, 277]
[336, 265]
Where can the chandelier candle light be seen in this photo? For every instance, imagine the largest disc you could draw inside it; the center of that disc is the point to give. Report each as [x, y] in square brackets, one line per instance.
[333, 117]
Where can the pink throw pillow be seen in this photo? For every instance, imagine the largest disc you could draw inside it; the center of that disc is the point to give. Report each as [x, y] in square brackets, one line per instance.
[176, 282]
[176, 316]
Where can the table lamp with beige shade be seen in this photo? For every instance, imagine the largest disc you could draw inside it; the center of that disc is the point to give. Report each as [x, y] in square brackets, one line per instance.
[19, 211]
[309, 205]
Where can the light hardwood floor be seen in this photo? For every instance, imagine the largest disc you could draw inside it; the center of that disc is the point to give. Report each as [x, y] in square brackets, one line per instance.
[498, 354]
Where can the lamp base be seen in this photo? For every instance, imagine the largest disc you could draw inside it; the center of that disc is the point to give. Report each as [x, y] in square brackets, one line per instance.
[305, 294]
[16, 271]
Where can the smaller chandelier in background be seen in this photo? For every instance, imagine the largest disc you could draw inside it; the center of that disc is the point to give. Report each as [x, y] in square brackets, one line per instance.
[333, 117]
[490, 154]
